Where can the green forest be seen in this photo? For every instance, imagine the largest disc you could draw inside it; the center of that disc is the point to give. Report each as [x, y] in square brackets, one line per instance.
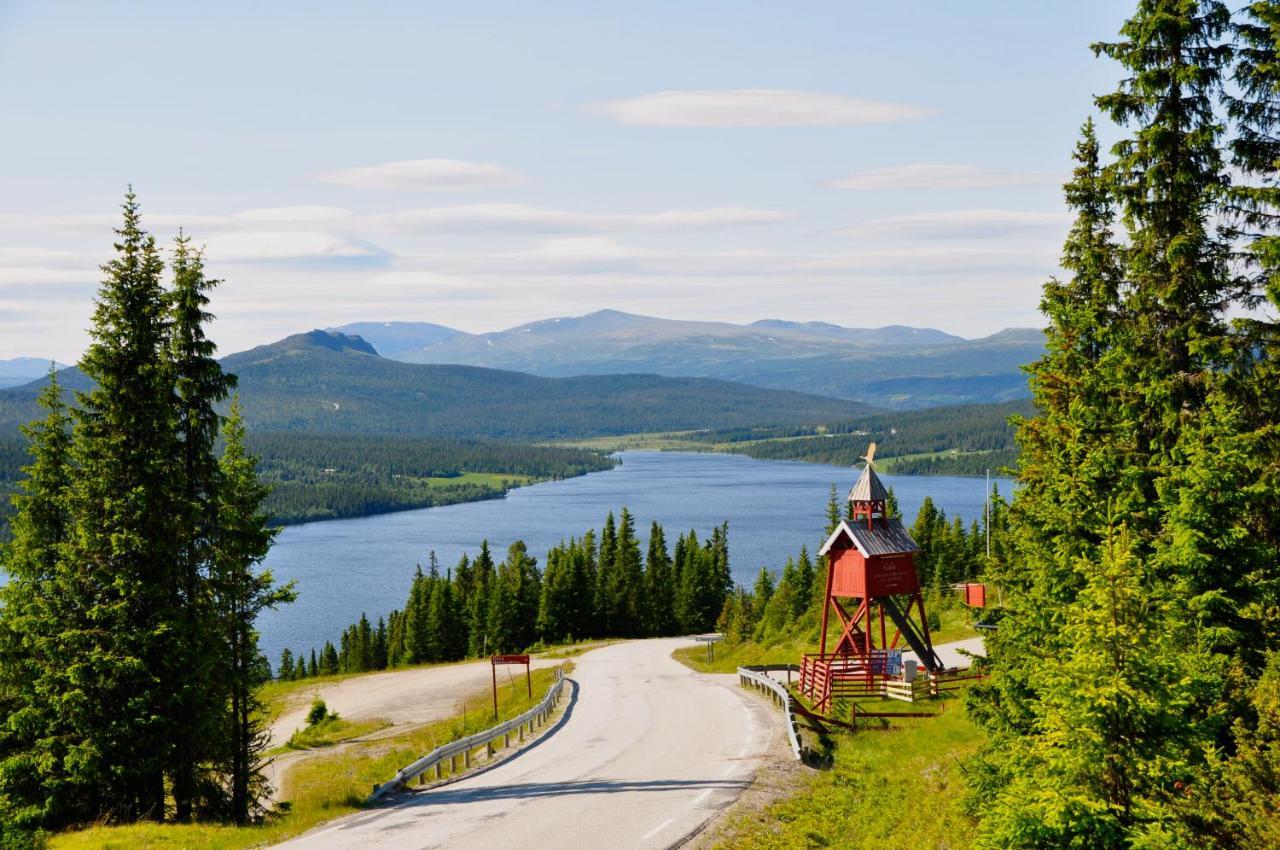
[963, 440]
[315, 477]
[598, 585]
[318, 477]
[1134, 690]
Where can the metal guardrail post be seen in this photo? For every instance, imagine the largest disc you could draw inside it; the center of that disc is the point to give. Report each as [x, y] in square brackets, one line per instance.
[757, 676]
[466, 746]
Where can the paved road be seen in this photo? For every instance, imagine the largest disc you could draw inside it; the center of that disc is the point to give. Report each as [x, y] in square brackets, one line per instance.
[647, 753]
[953, 654]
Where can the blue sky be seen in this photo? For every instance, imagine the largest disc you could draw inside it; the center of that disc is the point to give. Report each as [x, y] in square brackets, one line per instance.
[484, 164]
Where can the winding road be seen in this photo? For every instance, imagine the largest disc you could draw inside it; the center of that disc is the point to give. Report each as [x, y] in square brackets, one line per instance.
[644, 755]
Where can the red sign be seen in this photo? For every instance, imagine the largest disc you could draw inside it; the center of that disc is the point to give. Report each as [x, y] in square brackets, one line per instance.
[509, 659]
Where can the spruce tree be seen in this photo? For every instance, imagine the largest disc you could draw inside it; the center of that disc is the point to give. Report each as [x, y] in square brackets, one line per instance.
[659, 587]
[241, 591]
[35, 786]
[606, 582]
[482, 572]
[199, 385]
[123, 647]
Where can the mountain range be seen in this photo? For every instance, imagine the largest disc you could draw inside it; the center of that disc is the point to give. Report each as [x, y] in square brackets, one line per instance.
[893, 367]
[332, 383]
[24, 370]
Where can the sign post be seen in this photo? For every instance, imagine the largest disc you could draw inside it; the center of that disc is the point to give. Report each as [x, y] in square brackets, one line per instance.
[509, 659]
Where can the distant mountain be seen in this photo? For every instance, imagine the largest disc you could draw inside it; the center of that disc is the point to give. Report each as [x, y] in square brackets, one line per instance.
[321, 382]
[895, 366]
[23, 370]
[400, 340]
[888, 335]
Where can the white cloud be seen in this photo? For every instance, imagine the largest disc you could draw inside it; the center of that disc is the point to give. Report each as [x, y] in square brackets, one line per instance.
[962, 224]
[521, 218]
[753, 108]
[12, 276]
[288, 245]
[595, 255]
[937, 176]
[424, 174]
[301, 214]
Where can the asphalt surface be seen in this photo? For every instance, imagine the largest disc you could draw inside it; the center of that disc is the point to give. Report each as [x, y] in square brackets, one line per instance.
[644, 755]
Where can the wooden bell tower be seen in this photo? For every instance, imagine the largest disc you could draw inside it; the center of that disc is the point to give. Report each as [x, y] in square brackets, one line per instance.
[872, 585]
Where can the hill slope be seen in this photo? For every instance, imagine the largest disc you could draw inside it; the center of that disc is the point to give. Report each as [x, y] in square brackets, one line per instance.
[893, 366]
[329, 383]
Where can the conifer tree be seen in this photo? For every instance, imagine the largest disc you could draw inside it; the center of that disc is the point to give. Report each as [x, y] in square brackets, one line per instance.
[481, 642]
[199, 385]
[34, 782]
[125, 642]
[606, 583]
[241, 591]
[659, 587]
[284, 671]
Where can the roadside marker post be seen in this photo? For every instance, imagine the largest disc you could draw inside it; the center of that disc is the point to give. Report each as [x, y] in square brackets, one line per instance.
[509, 659]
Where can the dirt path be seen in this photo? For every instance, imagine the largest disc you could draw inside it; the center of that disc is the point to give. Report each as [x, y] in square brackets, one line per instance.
[402, 697]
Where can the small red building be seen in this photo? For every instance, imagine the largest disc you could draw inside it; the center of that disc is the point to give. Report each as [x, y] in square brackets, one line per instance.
[873, 587]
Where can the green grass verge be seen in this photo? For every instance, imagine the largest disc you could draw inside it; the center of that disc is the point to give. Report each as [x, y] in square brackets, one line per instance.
[319, 788]
[898, 787]
[957, 624]
[334, 729]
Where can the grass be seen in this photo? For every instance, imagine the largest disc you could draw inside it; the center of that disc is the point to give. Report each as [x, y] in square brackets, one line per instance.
[492, 480]
[900, 787]
[653, 441]
[957, 624]
[320, 788]
[334, 729]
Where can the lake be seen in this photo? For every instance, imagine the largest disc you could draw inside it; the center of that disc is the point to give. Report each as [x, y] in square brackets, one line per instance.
[345, 567]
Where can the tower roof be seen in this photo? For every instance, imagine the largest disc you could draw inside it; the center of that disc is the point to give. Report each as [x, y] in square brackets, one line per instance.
[869, 488]
[888, 537]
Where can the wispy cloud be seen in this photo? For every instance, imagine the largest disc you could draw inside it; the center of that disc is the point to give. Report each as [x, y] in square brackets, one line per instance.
[753, 108]
[961, 224]
[314, 213]
[939, 177]
[289, 245]
[527, 219]
[424, 175]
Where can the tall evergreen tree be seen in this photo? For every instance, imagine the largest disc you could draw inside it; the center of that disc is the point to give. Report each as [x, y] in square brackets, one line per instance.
[35, 786]
[123, 649]
[199, 384]
[241, 592]
[659, 587]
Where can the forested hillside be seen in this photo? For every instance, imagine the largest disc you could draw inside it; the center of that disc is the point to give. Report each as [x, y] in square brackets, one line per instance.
[333, 476]
[335, 384]
[962, 440]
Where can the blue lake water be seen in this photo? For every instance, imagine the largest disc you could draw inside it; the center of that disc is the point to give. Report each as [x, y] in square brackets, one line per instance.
[345, 567]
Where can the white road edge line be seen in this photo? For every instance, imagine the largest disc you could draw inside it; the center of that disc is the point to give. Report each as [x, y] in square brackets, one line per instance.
[651, 833]
[698, 799]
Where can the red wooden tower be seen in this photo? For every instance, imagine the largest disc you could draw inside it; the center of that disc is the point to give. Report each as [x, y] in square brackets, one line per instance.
[871, 583]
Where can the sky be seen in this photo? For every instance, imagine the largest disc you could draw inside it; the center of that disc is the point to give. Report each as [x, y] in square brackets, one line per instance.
[485, 164]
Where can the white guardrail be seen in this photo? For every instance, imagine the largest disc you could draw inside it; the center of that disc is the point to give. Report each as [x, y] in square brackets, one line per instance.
[757, 676]
[464, 747]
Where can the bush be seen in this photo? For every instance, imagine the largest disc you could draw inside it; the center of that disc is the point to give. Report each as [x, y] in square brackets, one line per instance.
[319, 712]
[12, 838]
